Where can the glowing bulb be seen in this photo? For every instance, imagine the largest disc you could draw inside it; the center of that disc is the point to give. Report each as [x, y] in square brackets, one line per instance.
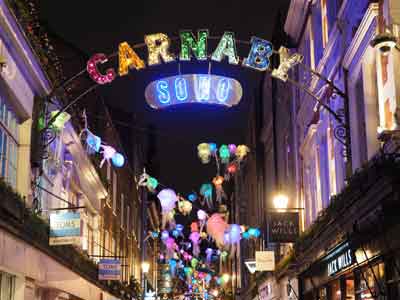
[281, 201]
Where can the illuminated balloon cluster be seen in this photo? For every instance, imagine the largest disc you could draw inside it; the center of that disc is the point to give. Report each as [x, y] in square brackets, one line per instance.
[251, 233]
[95, 145]
[225, 152]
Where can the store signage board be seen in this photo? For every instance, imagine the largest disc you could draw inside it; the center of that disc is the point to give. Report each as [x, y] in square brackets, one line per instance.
[65, 228]
[251, 266]
[283, 227]
[109, 269]
[193, 88]
[340, 262]
[265, 260]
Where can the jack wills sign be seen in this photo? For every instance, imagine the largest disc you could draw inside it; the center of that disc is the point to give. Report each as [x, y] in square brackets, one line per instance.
[340, 262]
[283, 227]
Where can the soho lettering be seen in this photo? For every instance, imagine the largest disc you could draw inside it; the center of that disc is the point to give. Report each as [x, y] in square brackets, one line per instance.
[158, 46]
[193, 88]
[339, 263]
[202, 89]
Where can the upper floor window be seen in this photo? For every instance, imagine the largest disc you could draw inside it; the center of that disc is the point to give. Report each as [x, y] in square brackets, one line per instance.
[325, 22]
[8, 143]
[114, 192]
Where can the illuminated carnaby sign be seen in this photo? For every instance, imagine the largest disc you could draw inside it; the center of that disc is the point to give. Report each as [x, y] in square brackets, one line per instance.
[193, 88]
[158, 48]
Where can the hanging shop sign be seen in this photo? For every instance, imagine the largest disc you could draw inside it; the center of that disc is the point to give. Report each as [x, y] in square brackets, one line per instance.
[165, 282]
[251, 265]
[265, 260]
[65, 228]
[193, 88]
[283, 227]
[109, 269]
[339, 259]
[158, 48]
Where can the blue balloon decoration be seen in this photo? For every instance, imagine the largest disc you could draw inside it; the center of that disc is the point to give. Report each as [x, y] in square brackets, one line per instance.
[118, 160]
[252, 232]
[257, 233]
[93, 142]
[246, 235]
[175, 233]
[192, 197]
[164, 235]
[179, 227]
[213, 147]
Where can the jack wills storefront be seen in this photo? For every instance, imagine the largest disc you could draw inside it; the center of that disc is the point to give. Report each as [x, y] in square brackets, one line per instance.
[354, 254]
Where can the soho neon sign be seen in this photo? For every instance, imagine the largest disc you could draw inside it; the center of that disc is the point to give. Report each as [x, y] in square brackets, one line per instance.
[193, 88]
[158, 46]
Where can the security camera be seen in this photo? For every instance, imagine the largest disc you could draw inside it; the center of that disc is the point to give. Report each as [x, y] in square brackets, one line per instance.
[384, 42]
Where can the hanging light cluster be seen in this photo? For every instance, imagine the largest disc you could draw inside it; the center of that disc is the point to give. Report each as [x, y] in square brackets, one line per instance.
[94, 144]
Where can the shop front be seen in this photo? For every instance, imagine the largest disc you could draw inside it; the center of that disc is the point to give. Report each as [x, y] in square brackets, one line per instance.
[353, 272]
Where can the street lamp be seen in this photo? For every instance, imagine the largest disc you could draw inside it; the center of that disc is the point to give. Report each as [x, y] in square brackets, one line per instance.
[226, 277]
[281, 201]
[145, 267]
[145, 270]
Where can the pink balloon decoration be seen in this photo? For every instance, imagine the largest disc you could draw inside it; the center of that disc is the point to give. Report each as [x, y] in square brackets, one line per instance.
[195, 238]
[216, 227]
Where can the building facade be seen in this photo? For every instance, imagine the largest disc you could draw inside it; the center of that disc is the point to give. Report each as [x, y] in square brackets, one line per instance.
[338, 168]
[55, 177]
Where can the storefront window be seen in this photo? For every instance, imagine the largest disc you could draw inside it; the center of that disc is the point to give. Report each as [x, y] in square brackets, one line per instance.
[349, 288]
[393, 275]
[372, 283]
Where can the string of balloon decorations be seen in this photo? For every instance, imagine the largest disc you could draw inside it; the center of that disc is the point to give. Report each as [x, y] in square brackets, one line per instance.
[191, 266]
[182, 253]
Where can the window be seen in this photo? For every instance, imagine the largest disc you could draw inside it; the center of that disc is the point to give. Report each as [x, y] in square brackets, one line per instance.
[128, 211]
[368, 286]
[114, 191]
[8, 144]
[7, 286]
[324, 20]
[122, 210]
[386, 91]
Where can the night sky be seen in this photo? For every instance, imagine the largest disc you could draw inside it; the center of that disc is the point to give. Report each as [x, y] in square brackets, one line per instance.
[99, 26]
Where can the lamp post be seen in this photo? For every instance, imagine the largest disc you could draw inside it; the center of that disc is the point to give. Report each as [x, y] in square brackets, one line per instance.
[145, 270]
[280, 201]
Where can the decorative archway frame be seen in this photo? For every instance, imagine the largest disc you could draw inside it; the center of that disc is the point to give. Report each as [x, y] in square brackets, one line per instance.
[258, 59]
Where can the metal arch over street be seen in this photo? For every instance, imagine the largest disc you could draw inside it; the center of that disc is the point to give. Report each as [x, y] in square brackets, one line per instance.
[258, 59]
